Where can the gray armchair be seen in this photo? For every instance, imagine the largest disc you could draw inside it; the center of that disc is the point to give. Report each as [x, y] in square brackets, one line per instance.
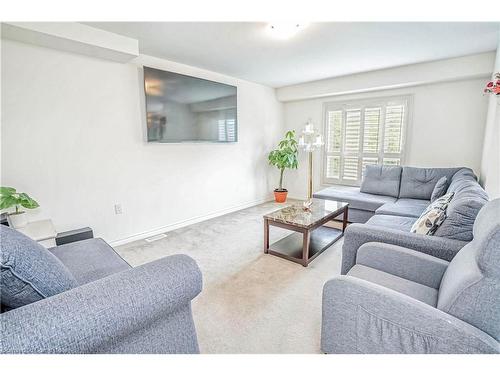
[358, 234]
[398, 300]
[114, 309]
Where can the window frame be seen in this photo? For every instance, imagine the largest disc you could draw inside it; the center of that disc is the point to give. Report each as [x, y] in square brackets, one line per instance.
[364, 103]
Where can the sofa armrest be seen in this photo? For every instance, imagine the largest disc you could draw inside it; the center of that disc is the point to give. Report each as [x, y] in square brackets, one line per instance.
[358, 234]
[400, 261]
[96, 315]
[362, 317]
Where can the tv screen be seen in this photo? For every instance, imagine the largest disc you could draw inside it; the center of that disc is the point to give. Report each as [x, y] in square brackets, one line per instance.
[181, 108]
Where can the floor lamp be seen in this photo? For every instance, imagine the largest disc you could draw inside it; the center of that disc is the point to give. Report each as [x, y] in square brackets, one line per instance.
[310, 140]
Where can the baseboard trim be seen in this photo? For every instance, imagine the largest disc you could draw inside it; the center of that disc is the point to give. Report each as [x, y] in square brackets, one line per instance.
[296, 198]
[184, 223]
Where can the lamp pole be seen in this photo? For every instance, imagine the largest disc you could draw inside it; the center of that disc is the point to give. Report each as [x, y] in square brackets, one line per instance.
[310, 182]
[309, 141]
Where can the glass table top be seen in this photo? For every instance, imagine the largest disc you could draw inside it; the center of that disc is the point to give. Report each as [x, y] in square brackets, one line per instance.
[296, 214]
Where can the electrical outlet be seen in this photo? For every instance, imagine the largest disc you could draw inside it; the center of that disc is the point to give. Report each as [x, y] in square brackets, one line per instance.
[118, 209]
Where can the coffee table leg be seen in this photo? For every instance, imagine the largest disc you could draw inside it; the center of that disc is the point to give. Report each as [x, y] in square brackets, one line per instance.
[266, 236]
[344, 221]
[305, 247]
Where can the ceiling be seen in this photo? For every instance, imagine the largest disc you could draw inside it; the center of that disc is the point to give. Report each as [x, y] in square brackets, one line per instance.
[246, 50]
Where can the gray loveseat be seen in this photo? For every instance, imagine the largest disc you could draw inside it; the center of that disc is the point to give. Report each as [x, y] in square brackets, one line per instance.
[391, 199]
[397, 300]
[109, 307]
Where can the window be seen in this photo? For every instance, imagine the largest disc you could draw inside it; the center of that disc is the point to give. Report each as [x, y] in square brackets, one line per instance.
[362, 133]
[227, 130]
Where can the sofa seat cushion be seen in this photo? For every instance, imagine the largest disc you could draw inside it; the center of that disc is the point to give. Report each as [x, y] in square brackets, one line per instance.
[381, 180]
[412, 289]
[404, 207]
[355, 198]
[357, 216]
[402, 223]
[90, 260]
[29, 272]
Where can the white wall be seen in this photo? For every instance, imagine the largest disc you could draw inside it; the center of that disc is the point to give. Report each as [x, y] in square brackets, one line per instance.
[446, 126]
[490, 166]
[72, 137]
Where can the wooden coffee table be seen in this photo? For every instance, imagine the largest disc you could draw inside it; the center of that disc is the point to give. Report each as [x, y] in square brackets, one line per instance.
[311, 236]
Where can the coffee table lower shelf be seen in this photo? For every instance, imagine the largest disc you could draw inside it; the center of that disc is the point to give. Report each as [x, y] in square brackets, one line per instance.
[290, 247]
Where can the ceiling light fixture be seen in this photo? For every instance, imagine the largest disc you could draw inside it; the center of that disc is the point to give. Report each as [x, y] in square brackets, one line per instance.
[285, 30]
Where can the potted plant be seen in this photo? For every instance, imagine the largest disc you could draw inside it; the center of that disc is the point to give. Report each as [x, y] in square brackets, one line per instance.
[9, 197]
[285, 156]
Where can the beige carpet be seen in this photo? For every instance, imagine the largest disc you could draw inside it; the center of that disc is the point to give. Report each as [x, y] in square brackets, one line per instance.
[251, 302]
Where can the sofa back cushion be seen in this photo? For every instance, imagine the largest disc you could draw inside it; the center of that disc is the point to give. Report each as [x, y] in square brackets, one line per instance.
[419, 183]
[29, 272]
[469, 197]
[470, 288]
[381, 180]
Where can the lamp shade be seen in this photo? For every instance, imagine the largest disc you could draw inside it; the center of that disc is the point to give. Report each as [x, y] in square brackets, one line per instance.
[310, 139]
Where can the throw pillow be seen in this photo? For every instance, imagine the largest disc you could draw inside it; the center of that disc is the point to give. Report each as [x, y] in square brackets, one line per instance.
[439, 189]
[433, 216]
[29, 272]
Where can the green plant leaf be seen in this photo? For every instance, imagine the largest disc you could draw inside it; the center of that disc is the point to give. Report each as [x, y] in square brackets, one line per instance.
[27, 202]
[286, 155]
[5, 190]
[7, 201]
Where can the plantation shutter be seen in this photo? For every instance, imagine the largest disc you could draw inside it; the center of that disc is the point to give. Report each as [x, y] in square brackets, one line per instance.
[231, 130]
[334, 144]
[393, 129]
[360, 134]
[227, 130]
[352, 139]
[222, 131]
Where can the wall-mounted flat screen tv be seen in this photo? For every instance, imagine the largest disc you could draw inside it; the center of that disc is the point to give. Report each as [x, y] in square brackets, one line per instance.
[181, 108]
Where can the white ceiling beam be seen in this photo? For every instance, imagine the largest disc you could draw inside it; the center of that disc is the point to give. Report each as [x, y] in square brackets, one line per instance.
[461, 68]
[73, 37]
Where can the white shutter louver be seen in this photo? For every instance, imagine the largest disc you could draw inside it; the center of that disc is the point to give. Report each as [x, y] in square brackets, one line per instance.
[222, 131]
[334, 133]
[352, 130]
[371, 131]
[333, 167]
[334, 143]
[350, 170]
[393, 128]
[392, 161]
[231, 130]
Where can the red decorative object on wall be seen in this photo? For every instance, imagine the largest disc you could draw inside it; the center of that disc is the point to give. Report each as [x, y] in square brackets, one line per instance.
[493, 87]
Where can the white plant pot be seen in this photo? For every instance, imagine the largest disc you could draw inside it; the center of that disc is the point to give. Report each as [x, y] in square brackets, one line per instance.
[18, 220]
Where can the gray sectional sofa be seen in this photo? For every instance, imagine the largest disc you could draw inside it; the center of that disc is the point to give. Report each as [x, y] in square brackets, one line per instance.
[83, 297]
[398, 300]
[391, 199]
